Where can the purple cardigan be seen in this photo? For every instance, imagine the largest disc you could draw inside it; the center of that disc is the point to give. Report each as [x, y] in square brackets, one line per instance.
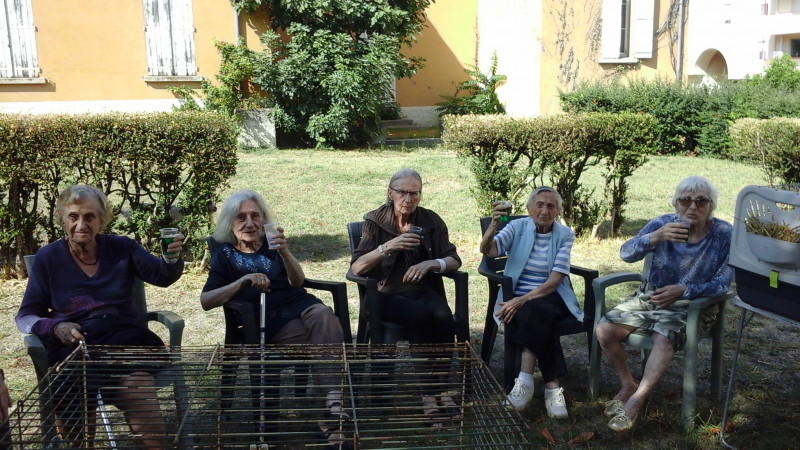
[59, 291]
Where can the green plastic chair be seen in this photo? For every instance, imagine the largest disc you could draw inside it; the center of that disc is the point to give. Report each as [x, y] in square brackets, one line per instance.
[645, 343]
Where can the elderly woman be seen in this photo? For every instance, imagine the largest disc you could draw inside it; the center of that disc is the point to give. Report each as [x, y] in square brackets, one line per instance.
[687, 263]
[401, 261]
[80, 289]
[538, 251]
[245, 265]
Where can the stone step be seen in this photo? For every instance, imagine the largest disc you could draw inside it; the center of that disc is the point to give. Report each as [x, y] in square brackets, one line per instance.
[423, 142]
[397, 123]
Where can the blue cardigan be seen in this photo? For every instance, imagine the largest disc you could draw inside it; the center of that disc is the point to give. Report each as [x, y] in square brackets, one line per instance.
[521, 248]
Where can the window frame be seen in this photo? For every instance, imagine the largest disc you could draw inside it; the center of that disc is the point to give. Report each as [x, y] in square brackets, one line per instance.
[627, 31]
[169, 40]
[19, 60]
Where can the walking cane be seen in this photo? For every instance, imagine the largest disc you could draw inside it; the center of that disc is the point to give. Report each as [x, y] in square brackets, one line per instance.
[262, 331]
[101, 405]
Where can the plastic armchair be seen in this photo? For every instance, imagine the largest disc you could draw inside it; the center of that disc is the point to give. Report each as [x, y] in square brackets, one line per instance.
[645, 342]
[373, 328]
[492, 268]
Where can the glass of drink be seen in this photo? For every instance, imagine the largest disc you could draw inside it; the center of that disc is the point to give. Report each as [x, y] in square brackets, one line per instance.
[416, 230]
[507, 205]
[271, 231]
[168, 237]
[686, 223]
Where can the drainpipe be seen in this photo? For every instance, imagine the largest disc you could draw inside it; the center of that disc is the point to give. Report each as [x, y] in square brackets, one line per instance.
[679, 71]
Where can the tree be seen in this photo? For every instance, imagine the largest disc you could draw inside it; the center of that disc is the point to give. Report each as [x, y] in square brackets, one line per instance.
[330, 78]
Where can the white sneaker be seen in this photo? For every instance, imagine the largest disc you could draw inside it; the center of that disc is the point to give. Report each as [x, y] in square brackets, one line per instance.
[519, 397]
[555, 403]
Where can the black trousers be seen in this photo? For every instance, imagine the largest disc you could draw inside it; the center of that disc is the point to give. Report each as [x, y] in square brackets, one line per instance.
[425, 313]
[535, 327]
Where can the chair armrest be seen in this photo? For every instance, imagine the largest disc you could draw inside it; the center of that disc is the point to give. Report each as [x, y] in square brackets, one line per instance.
[484, 270]
[35, 349]
[338, 290]
[600, 284]
[702, 303]
[172, 321]
[461, 280]
[585, 273]
[370, 302]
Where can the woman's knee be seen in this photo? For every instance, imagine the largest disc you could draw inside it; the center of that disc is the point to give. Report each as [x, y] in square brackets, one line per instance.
[608, 333]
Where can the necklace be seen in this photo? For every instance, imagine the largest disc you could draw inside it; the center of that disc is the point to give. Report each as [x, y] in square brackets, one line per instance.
[78, 257]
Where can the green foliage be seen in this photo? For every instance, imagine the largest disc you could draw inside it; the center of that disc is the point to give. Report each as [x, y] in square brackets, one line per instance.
[510, 156]
[772, 143]
[478, 94]
[330, 79]
[676, 108]
[150, 165]
[781, 73]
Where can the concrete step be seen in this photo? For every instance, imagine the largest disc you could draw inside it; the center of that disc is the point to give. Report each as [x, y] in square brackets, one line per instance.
[423, 142]
[397, 123]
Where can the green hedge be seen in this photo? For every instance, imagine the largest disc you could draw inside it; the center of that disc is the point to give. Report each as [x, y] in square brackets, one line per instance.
[509, 156]
[158, 169]
[772, 143]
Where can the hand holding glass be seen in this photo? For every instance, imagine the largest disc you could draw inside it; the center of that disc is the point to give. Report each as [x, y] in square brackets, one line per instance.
[686, 223]
[416, 230]
[271, 232]
[168, 237]
[505, 204]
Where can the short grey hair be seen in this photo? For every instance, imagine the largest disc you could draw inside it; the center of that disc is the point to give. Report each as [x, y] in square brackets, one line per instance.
[404, 173]
[78, 193]
[539, 190]
[698, 185]
[230, 209]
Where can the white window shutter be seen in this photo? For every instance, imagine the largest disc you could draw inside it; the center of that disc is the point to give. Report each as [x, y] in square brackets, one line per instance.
[18, 40]
[182, 38]
[642, 32]
[612, 26]
[157, 37]
[6, 69]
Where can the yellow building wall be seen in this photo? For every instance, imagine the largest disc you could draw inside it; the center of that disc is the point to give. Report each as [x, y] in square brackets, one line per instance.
[448, 43]
[571, 48]
[95, 50]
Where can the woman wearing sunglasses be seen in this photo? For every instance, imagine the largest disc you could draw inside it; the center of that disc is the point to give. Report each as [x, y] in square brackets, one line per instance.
[688, 262]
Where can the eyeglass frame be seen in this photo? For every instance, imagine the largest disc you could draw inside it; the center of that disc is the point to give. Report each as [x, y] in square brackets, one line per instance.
[701, 202]
[412, 194]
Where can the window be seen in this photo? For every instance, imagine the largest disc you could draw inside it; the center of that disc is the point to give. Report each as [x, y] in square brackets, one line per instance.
[795, 48]
[169, 36]
[627, 30]
[17, 40]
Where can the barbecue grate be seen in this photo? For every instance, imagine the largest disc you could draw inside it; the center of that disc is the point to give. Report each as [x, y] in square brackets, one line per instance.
[271, 397]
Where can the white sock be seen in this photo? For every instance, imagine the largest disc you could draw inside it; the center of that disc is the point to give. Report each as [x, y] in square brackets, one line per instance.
[550, 392]
[526, 378]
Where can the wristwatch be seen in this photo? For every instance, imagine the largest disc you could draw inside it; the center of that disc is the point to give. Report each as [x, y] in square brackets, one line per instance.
[382, 252]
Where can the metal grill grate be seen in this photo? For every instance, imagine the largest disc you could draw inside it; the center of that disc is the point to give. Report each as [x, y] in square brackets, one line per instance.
[274, 397]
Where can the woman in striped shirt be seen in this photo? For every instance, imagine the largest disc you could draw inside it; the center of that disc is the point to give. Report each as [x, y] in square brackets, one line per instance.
[538, 251]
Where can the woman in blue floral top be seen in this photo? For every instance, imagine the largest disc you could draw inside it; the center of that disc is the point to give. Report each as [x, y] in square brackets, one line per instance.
[687, 263]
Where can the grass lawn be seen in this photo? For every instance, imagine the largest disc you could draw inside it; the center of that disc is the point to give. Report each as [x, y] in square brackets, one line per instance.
[315, 193]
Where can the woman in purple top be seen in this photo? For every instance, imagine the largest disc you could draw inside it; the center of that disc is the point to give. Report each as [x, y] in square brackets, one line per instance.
[81, 288]
[688, 262]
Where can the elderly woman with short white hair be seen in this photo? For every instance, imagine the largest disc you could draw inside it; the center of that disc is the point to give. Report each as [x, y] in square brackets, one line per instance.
[688, 262]
[538, 249]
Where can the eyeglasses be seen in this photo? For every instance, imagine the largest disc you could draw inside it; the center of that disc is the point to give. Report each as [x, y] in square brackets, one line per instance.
[699, 201]
[413, 194]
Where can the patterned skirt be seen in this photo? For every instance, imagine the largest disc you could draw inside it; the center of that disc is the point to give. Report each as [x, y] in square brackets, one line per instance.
[637, 311]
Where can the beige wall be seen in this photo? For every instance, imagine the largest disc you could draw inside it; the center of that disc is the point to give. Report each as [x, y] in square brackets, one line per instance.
[95, 50]
[448, 44]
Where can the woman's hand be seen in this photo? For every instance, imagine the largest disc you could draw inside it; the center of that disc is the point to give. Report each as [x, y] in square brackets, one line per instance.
[176, 246]
[499, 209]
[406, 241]
[667, 295]
[672, 232]
[278, 241]
[509, 309]
[68, 333]
[257, 280]
[416, 272]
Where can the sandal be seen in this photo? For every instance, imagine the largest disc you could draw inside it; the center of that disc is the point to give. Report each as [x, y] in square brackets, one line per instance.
[614, 407]
[450, 407]
[621, 422]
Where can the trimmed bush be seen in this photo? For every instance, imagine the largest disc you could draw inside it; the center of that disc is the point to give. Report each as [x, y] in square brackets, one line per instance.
[772, 143]
[509, 156]
[157, 169]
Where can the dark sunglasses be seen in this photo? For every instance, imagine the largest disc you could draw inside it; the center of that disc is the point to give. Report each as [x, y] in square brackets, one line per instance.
[699, 201]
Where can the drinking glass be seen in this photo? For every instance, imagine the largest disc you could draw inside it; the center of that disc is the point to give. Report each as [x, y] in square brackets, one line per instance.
[270, 231]
[506, 204]
[168, 237]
